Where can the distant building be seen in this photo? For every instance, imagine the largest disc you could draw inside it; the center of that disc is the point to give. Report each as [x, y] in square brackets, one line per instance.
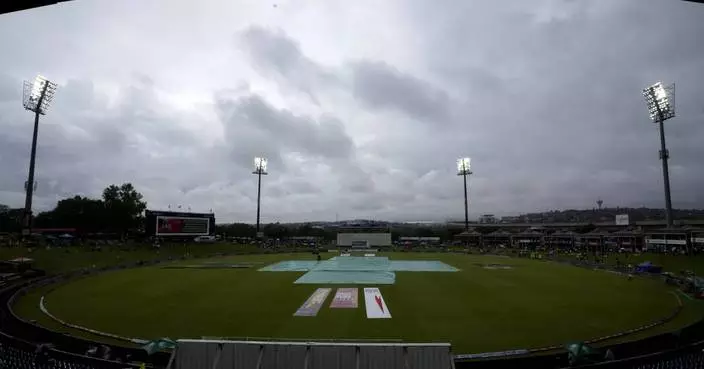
[510, 219]
[487, 219]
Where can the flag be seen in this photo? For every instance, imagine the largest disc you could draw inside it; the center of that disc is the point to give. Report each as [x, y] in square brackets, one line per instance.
[159, 345]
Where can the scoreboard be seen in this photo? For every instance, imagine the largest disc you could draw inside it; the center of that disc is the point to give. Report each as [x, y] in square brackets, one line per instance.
[179, 224]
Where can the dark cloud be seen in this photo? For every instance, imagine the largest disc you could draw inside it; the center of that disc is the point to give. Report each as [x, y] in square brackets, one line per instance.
[381, 86]
[273, 52]
[543, 95]
[10, 89]
[376, 84]
[261, 129]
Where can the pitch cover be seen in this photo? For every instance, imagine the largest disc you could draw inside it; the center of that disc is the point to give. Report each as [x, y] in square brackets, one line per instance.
[375, 304]
[314, 303]
[345, 298]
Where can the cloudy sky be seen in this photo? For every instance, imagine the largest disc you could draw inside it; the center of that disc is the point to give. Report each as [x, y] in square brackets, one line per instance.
[361, 107]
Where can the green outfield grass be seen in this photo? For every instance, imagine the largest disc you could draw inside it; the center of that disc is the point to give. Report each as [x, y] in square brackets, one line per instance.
[62, 259]
[534, 304]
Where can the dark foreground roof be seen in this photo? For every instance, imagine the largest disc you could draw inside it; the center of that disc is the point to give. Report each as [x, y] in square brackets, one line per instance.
[10, 6]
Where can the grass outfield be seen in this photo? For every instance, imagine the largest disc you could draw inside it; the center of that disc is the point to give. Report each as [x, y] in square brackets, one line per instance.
[532, 305]
[62, 259]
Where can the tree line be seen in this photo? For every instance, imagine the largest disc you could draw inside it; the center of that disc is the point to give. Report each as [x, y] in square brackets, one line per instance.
[284, 231]
[120, 211]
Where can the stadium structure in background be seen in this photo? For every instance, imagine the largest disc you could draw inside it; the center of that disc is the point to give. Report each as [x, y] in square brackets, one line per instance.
[363, 236]
[179, 224]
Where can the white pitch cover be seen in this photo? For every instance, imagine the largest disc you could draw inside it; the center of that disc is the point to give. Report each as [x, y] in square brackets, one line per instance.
[376, 306]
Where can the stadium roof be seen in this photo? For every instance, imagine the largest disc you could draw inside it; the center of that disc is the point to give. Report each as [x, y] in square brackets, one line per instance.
[629, 232]
[563, 234]
[529, 232]
[595, 233]
[15, 6]
[471, 233]
[500, 233]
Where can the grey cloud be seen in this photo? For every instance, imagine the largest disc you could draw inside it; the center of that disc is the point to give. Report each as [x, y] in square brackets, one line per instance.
[544, 96]
[295, 187]
[255, 127]
[558, 99]
[9, 88]
[381, 86]
[376, 84]
[258, 127]
[272, 50]
[84, 145]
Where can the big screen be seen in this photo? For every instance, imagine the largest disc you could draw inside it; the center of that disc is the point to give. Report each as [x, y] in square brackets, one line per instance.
[182, 226]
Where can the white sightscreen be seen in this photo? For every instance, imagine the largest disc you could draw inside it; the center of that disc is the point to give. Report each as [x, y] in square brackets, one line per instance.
[374, 239]
[622, 219]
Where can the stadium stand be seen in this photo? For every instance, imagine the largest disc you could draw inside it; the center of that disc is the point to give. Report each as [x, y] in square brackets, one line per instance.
[688, 357]
[205, 354]
[15, 358]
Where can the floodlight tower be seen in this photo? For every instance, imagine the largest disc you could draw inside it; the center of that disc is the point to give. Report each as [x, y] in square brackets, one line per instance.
[260, 170]
[36, 97]
[661, 106]
[463, 169]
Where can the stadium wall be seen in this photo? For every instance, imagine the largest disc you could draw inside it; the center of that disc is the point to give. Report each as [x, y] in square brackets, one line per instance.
[372, 239]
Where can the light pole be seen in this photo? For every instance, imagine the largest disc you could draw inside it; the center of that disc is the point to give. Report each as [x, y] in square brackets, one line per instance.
[660, 100]
[260, 170]
[36, 97]
[464, 169]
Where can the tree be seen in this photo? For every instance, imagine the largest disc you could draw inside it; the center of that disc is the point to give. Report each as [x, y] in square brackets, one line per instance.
[87, 214]
[124, 207]
[236, 230]
[10, 219]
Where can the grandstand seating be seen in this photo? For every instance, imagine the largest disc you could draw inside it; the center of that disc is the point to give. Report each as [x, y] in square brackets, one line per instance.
[693, 360]
[206, 354]
[15, 358]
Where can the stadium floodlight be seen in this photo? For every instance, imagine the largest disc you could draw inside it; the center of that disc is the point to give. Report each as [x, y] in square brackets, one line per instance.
[464, 166]
[660, 100]
[260, 167]
[464, 169]
[36, 97]
[661, 106]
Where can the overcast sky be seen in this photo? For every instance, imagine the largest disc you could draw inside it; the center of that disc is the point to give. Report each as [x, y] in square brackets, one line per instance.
[362, 107]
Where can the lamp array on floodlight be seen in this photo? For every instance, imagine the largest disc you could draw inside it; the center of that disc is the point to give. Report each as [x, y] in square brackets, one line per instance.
[661, 101]
[260, 166]
[464, 166]
[38, 94]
